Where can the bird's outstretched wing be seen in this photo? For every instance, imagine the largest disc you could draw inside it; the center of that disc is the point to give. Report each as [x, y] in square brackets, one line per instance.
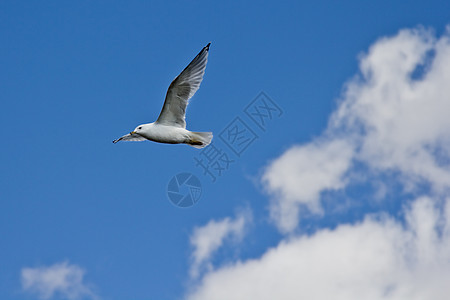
[130, 137]
[182, 89]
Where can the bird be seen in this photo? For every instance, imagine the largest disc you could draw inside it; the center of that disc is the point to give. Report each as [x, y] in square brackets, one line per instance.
[170, 127]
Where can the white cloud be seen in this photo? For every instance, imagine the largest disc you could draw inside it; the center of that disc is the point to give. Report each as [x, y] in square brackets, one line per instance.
[379, 258]
[403, 120]
[62, 279]
[207, 239]
[301, 174]
[390, 118]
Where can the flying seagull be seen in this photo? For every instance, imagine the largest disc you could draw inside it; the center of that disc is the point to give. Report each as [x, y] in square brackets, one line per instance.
[170, 127]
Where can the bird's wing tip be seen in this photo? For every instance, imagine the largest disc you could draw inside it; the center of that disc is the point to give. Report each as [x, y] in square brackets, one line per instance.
[207, 46]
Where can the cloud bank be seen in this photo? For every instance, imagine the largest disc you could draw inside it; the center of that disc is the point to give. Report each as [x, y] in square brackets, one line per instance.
[376, 259]
[392, 118]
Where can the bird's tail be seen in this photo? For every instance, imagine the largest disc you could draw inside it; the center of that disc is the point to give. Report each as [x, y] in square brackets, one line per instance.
[200, 139]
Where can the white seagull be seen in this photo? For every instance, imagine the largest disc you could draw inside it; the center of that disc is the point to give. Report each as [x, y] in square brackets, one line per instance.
[170, 127]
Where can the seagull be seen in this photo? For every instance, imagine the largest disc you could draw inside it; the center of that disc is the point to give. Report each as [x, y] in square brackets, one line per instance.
[170, 127]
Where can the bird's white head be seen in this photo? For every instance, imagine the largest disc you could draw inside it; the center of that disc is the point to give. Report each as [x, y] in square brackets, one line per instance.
[139, 129]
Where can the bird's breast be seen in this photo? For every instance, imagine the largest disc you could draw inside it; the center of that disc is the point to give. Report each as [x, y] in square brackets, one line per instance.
[166, 134]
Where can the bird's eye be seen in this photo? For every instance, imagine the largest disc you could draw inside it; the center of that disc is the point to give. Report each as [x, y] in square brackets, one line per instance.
[139, 127]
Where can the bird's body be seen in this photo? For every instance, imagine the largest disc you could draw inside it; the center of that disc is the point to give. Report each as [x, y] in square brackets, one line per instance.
[164, 134]
[170, 134]
[170, 128]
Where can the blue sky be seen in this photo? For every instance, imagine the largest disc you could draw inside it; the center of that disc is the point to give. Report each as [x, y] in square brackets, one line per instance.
[76, 75]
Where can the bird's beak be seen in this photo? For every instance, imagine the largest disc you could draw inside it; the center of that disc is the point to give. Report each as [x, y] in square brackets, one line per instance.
[133, 132]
